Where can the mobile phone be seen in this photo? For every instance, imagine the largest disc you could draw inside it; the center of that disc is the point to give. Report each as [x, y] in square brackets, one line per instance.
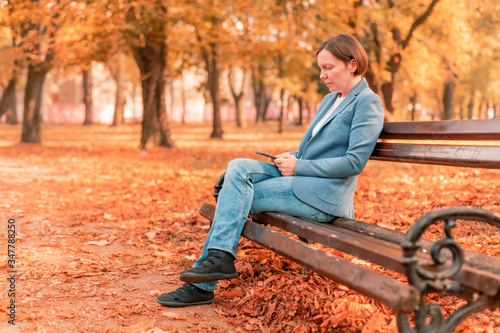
[265, 154]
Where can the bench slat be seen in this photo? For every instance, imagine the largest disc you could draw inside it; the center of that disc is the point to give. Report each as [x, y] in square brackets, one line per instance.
[473, 259]
[347, 241]
[366, 247]
[443, 130]
[464, 156]
[383, 253]
[391, 292]
[394, 293]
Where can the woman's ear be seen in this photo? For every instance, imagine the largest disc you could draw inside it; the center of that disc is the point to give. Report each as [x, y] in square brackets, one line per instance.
[353, 65]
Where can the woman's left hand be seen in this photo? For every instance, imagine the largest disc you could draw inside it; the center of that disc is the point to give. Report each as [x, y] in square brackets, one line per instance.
[286, 164]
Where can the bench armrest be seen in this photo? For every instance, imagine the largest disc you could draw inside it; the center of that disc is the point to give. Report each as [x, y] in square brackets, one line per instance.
[437, 277]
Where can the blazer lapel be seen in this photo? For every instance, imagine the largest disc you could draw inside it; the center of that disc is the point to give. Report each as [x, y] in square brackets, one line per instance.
[350, 97]
[317, 117]
[321, 112]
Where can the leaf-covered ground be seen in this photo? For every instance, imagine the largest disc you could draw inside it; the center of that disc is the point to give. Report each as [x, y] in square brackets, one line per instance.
[104, 228]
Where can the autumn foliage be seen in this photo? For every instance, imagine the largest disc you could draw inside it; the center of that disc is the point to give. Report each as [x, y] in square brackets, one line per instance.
[104, 228]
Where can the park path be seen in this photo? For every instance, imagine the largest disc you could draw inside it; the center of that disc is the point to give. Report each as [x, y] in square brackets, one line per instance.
[95, 275]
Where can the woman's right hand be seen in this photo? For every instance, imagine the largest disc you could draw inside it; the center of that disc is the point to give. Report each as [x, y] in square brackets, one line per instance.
[285, 163]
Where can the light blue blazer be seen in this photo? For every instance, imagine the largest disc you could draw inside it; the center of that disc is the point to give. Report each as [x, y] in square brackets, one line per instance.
[328, 164]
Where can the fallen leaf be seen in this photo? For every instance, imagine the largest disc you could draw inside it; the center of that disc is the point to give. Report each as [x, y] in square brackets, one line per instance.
[98, 243]
[173, 315]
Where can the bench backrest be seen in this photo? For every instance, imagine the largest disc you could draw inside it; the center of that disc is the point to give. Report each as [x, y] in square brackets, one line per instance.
[418, 142]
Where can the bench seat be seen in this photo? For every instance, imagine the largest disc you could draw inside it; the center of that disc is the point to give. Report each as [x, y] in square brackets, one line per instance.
[440, 266]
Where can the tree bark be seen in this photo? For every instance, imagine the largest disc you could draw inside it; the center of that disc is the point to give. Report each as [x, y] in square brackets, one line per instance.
[238, 99]
[282, 111]
[37, 71]
[413, 101]
[256, 94]
[470, 106]
[267, 102]
[151, 60]
[376, 49]
[211, 55]
[259, 88]
[8, 102]
[32, 104]
[87, 96]
[449, 90]
[183, 98]
[120, 101]
[483, 109]
[300, 101]
[170, 83]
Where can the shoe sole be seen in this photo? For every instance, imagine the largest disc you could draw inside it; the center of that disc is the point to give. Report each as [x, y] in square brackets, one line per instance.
[181, 304]
[197, 278]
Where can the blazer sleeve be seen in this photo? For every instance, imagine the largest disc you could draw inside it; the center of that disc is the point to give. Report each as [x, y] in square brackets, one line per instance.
[367, 123]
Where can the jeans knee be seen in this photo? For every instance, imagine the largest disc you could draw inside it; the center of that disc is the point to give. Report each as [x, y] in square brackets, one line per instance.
[237, 164]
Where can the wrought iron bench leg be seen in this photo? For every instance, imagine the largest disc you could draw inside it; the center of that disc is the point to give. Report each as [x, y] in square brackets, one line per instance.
[435, 278]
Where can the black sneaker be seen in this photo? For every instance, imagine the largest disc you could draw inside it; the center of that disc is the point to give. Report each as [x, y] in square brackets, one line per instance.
[218, 265]
[187, 295]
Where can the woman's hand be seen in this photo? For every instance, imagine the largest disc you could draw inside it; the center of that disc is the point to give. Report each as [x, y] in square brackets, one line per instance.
[285, 163]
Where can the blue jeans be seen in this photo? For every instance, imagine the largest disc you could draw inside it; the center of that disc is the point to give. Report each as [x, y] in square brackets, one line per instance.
[251, 187]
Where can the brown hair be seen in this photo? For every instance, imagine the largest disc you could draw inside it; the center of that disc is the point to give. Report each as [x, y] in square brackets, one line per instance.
[345, 47]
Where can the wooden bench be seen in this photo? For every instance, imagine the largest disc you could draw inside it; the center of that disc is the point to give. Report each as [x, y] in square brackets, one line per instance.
[441, 267]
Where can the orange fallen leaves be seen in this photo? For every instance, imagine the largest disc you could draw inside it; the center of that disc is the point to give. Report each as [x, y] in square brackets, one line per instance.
[173, 315]
[104, 230]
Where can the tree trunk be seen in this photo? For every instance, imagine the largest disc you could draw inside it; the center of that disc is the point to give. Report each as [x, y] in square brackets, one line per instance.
[388, 87]
[32, 104]
[87, 96]
[413, 101]
[256, 94]
[259, 89]
[151, 60]
[120, 101]
[171, 87]
[282, 111]
[8, 102]
[183, 98]
[211, 61]
[12, 114]
[267, 102]
[37, 71]
[449, 90]
[470, 106]
[300, 101]
[483, 109]
[375, 48]
[394, 63]
[311, 110]
[238, 99]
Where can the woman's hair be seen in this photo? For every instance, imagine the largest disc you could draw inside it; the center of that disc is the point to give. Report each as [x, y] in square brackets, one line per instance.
[345, 47]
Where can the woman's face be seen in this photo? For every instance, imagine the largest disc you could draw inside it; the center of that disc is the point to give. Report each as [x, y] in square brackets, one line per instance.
[335, 73]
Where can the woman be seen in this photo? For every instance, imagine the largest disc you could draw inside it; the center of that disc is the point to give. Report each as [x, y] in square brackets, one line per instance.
[316, 182]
